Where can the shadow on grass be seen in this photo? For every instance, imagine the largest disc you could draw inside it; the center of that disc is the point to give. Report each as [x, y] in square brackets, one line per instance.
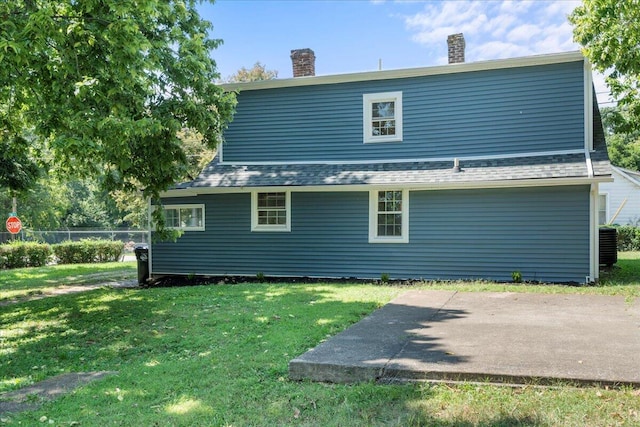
[205, 355]
[213, 343]
[27, 281]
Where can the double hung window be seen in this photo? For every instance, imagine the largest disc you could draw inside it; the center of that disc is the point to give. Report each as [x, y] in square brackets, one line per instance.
[382, 117]
[271, 211]
[389, 216]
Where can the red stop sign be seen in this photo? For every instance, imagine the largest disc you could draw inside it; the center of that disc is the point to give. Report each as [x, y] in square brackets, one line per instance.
[14, 225]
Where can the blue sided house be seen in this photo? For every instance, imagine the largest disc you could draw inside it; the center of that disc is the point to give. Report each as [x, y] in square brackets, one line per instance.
[461, 171]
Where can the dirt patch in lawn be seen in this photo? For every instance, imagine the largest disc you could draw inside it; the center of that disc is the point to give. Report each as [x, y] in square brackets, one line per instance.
[71, 289]
[32, 397]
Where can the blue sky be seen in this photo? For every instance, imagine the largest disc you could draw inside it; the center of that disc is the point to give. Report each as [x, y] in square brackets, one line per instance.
[354, 35]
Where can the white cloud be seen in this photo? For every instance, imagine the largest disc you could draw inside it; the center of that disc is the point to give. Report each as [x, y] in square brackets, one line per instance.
[500, 49]
[556, 40]
[495, 30]
[501, 24]
[535, 26]
[516, 7]
[523, 33]
[561, 8]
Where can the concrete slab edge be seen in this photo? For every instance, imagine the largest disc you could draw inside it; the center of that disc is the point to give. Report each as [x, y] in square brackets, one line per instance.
[300, 370]
[395, 376]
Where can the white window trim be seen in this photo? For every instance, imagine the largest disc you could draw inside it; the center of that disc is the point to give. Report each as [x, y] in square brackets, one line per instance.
[373, 218]
[187, 206]
[265, 227]
[367, 100]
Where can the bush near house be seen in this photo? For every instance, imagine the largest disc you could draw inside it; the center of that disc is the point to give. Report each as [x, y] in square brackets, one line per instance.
[20, 254]
[628, 238]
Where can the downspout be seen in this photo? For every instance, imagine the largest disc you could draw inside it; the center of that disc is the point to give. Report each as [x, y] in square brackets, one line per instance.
[594, 237]
[149, 228]
[594, 240]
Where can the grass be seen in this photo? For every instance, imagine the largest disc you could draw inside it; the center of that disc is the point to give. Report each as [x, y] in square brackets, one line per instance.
[218, 356]
[25, 282]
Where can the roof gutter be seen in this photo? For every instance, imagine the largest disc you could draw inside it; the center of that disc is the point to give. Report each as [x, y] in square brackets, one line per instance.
[542, 182]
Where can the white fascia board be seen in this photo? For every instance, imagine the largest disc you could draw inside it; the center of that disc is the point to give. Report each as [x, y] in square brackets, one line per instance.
[429, 159]
[625, 175]
[179, 192]
[494, 64]
[543, 182]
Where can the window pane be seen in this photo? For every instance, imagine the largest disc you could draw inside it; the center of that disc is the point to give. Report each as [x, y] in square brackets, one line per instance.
[383, 109]
[271, 200]
[171, 218]
[390, 224]
[390, 201]
[262, 217]
[191, 217]
[384, 127]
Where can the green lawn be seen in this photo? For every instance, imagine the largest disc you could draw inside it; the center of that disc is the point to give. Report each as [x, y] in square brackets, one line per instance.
[218, 355]
[25, 282]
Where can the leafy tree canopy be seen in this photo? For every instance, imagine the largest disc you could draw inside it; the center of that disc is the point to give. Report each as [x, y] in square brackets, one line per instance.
[623, 146]
[256, 73]
[609, 31]
[109, 84]
[18, 171]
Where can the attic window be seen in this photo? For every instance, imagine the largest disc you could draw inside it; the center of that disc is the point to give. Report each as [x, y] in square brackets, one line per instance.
[382, 114]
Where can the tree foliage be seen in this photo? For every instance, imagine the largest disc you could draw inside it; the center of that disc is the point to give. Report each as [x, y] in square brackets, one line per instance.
[256, 73]
[623, 146]
[18, 171]
[609, 32]
[109, 85]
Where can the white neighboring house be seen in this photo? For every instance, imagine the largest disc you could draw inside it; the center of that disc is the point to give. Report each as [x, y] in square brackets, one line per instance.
[622, 196]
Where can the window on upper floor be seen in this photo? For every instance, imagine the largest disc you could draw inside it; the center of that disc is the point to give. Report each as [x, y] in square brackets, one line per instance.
[389, 216]
[184, 217]
[271, 211]
[382, 114]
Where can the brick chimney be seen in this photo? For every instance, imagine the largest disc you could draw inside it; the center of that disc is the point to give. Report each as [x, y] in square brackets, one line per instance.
[456, 48]
[304, 62]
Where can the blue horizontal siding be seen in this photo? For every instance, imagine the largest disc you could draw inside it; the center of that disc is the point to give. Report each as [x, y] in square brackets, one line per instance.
[507, 111]
[542, 232]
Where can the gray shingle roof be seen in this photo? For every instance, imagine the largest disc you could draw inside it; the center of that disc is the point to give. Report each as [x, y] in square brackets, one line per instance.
[222, 175]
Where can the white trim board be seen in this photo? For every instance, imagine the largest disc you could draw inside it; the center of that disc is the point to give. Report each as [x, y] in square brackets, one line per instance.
[494, 64]
[408, 160]
[547, 182]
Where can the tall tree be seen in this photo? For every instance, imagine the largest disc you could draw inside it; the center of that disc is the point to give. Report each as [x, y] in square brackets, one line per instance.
[256, 73]
[110, 84]
[623, 146]
[609, 32]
